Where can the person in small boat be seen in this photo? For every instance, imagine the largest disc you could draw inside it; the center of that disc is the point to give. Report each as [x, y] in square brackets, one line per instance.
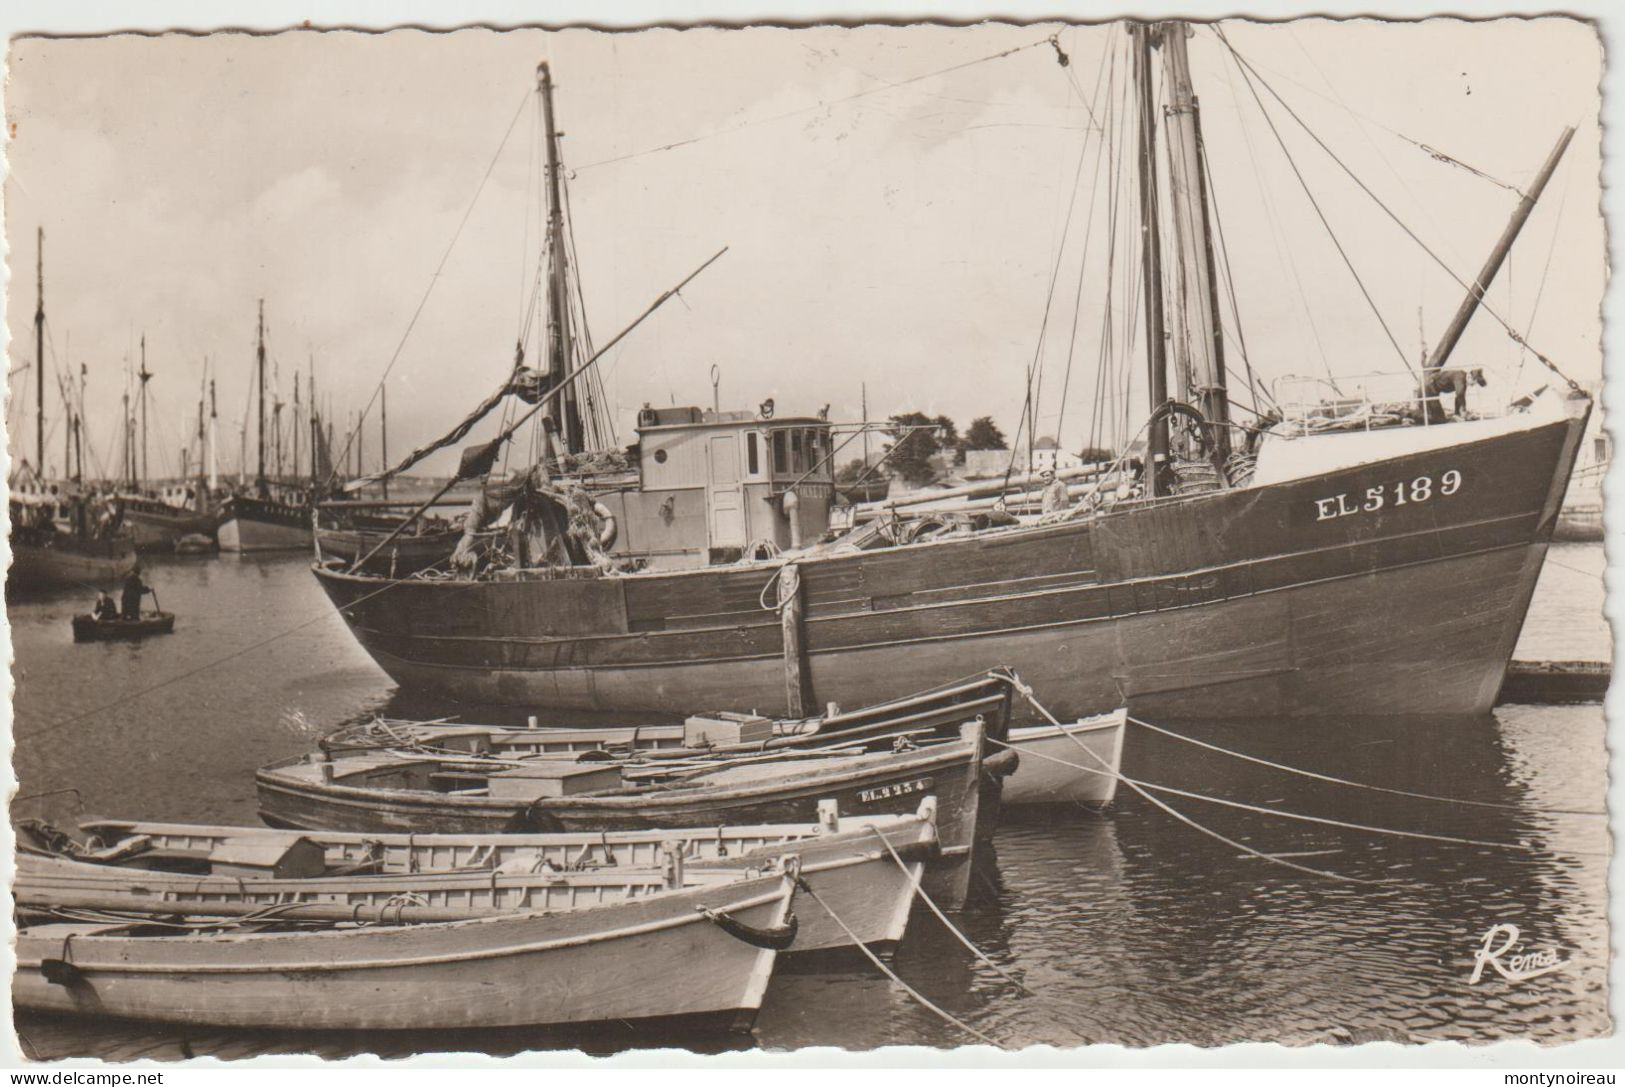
[105, 610]
[1435, 383]
[134, 590]
[1056, 498]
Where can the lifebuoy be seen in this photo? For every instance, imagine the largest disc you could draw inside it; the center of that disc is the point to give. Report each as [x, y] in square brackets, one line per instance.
[607, 534]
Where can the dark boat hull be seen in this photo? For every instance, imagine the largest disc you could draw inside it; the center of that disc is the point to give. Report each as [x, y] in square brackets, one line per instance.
[89, 629]
[69, 564]
[1287, 598]
[967, 805]
[161, 530]
[253, 524]
[405, 554]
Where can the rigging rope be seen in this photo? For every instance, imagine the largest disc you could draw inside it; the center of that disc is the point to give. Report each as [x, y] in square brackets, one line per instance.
[1089, 221]
[1359, 784]
[810, 109]
[1472, 288]
[1028, 410]
[1247, 78]
[343, 455]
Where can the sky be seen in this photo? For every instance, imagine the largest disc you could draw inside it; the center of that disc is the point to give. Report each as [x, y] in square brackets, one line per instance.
[896, 202]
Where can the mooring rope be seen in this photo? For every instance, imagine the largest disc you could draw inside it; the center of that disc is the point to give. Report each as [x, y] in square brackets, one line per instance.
[1193, 824]
[909, 989]
[1027, 693]
[1359, 784]
[919, 893]
[1138, 786]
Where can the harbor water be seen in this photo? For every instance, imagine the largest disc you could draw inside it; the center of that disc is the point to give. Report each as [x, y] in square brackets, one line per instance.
[1135, 927]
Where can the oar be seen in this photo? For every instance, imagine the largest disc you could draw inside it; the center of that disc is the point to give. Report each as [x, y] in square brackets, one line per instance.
[156, 607]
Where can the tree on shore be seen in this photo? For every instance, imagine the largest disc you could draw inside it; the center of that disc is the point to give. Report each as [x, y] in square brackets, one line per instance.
[912, 450]
[983, 433]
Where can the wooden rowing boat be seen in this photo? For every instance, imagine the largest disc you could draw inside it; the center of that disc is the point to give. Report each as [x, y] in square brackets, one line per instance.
[935, 713]
[386, 791]
[152, 866]
[693, 955]
[88, 628]
[1043, 777]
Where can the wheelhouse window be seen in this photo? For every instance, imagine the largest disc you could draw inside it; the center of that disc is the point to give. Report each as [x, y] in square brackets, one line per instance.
[781, 452]
[752, 457]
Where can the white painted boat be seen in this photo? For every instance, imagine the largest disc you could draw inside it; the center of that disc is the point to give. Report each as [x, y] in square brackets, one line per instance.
[692, 956]
[1094, 744]
[154, 865]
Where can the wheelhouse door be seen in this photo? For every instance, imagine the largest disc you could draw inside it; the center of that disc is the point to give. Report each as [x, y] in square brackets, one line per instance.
[725, 498]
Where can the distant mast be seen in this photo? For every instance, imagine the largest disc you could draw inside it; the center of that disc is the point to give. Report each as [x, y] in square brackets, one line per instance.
[558, 311]
[145, 375]
[1201, 347]
[214, 441]
[259, 478]
[39, 358]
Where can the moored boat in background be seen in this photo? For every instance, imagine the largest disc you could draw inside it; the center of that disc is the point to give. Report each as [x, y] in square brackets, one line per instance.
[1070, 763]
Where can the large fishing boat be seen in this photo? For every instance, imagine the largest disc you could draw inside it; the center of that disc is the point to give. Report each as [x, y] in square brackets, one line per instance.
[1359, 555]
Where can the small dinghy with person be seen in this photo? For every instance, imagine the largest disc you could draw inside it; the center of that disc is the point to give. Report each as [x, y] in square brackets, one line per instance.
[862, 873]
[398, 792]
[608, 947]
[88, 628]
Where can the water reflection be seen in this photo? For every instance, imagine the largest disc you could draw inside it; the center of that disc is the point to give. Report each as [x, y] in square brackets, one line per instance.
[1129, 928]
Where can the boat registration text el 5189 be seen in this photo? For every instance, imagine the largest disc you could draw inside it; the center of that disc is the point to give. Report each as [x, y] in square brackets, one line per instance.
[1399, 493]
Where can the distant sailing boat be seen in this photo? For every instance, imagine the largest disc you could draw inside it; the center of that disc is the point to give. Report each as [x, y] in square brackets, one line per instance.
[159, 519]
[1368, 560]
[61, 536]
[275, 517]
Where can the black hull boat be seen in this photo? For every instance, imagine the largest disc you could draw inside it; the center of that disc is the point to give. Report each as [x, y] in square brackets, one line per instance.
[1398, 585]
[249, 524]
[88, 628]
[159, 527]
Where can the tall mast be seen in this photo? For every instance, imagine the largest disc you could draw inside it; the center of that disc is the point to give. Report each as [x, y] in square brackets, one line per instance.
[145, 375]
[259, 478]
[1486, 275]
[39, 358]
[1151, 262]
[558, 310]
[1203, 342]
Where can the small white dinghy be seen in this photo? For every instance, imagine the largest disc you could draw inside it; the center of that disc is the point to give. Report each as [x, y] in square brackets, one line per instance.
[1075, 763]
